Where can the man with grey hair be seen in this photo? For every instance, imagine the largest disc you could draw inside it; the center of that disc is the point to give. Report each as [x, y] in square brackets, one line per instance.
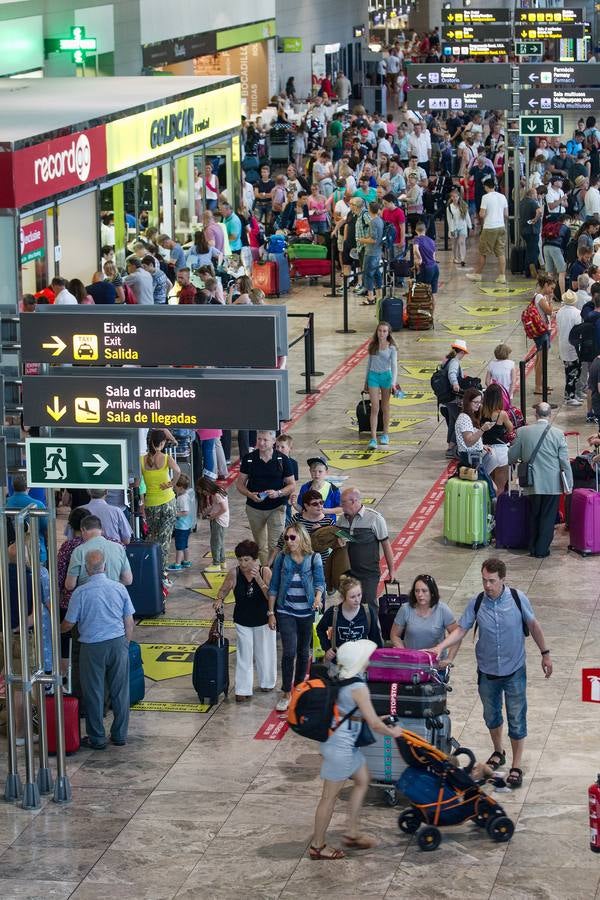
[266, 479]
[103, 612]
[113, 520]
[139, 281]
[544, 448]
[177, 255]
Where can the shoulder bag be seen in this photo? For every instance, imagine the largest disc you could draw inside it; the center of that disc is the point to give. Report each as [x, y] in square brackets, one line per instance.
[525, 469]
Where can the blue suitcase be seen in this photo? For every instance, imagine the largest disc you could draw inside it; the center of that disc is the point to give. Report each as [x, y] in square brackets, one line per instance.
[283, 271]
[137, 684]
[146, 588]
[210, 674]
[391, 310]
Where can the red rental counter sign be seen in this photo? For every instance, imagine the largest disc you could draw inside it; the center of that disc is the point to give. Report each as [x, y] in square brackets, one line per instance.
[590, 685]
[52, 167]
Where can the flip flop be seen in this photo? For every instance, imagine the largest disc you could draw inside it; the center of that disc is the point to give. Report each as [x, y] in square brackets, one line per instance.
[497, 759]
[362, 842]
[317, 853]
[515, 780]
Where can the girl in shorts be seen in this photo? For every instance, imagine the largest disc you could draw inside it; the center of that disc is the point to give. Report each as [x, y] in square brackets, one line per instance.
[381, 379]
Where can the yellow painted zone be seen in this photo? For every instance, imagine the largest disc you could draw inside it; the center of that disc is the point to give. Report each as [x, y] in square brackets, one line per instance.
[502, 310]
[471, 328]
[420, 371]
[170, 706]
[503, 290]
[443, 339]
[413, 398]
[164, 661]
[182, 623]
[357, 459]
[214, 580]
[229, 554]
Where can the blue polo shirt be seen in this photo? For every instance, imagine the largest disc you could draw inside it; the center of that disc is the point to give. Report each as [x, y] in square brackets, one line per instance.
[500, 648]
[98, 607]
[234, 231]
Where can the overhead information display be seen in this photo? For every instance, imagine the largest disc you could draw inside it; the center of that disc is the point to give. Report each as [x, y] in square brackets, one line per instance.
[569, 98]
[440, 75]
[548, 32]
[492, 98]
[475, 16]
[548, 16]
[551, 126]
[577, 74]
[461, 33]
[484, 48]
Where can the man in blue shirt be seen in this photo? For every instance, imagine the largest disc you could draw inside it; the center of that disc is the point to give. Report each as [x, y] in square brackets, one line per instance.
[500, 652]
[177, 258]
[232, 223]
[19, 499]
[103, 612]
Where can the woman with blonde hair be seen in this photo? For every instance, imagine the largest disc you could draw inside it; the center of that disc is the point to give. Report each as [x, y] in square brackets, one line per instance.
[296, 588]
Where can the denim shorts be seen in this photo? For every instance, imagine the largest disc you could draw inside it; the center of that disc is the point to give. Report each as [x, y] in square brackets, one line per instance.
[380, 380]
[182, 536]
[542, 340]
[371, 272]
[513, 688]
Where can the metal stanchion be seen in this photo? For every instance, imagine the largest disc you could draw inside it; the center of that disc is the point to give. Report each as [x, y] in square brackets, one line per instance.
[308, 389]
[345, 329]
[311, 344]
[523, 389]
[44, 779]
[545, 373]
[31, 794]
[62, 785]
[13, 789]
[332, 288]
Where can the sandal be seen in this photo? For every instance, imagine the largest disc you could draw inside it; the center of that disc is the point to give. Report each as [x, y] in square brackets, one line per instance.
[515, 780]
[496, 760]
[368, 303]
[317, 853]
[362, 842]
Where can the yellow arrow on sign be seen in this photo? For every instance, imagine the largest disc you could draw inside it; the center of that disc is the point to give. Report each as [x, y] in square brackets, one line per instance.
[55, 411]
[58, 346]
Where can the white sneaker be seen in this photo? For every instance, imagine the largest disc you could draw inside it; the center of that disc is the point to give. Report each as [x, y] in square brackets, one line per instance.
[574, 402]
[501, 279]
[473, 276]
[283, 704]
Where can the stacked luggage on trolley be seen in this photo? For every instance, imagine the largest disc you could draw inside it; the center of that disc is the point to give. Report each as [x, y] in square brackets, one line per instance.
[409, 686]
[309, 258]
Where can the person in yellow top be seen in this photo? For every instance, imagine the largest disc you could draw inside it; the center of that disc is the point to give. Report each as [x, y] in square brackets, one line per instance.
[160, 474]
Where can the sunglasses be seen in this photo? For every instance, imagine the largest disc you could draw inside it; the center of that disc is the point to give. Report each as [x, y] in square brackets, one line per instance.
[316, 503]
[289, 537]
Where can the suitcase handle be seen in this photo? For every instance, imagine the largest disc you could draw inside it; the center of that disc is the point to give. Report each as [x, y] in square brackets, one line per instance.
[392, 581]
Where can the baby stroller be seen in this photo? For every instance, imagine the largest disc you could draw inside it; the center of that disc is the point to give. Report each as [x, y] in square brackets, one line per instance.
[441, 793]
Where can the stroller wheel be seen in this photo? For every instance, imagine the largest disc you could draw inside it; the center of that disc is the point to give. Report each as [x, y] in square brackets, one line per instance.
[430, 838]
[500, 829]
[409, 821]
[391, 798]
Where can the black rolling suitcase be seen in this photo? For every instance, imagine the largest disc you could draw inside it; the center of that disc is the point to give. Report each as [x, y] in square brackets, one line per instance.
[210, 675]
[409, 701]
[363, 415]
[146, 590]
[518, 255]
[389, 603]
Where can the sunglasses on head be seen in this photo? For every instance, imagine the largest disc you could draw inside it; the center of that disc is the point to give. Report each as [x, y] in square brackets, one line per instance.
[289, 537]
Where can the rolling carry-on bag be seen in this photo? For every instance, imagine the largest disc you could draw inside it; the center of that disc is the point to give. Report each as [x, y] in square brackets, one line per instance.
[413, 701]
[363, 415]
[311, 268]
[518, 255]
[146, 590]
[210, 674]
[283, 272]
[419, 307]
[402, 665]
[389, 603]
[585, 520]
[265, 277]
[383, 758]
[71, 721]
[512, 518]
[391, 310]
[137, 684]
[467, 512]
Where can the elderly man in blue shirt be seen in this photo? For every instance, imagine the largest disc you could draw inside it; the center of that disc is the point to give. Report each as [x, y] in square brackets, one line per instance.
[103, 612]
[505, 618]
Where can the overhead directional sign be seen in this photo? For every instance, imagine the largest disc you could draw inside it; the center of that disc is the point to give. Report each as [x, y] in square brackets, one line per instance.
[529, 48]
[132, 399]
[492, 98]
[461, 33]
[161, 336]
[567, 98]
[76, 463]
[547, 16]
[551, 126]
[490, 47]
[548, 32]
[475, 16]
[440, 75]
[560, 74]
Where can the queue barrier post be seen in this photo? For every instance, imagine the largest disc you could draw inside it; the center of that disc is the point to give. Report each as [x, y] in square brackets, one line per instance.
[332, 285]
[308, 362]
[44, 779]
[311, 344]
[523, 389]
[345, 329]
[13, 788]
[545, 373]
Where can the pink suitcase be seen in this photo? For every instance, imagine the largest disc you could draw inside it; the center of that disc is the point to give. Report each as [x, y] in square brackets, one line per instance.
[402, 665]
[584, 521]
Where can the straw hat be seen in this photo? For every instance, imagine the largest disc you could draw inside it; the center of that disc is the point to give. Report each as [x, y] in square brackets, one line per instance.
[459, 345]
[579, 180]
[569, 298]
[353, 657]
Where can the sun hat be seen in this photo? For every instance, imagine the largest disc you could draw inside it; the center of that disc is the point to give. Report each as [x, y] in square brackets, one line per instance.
[569, 297]
[353, 656]
[459, 345]
[579, 180]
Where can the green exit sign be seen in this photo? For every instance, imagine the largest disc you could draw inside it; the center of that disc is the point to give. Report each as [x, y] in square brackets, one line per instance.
[529, 48]
[78, 44]
[550, 126]
[291, 44]
[71, 462]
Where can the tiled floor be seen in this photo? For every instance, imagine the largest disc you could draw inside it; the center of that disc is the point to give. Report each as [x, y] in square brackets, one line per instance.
[194, 807]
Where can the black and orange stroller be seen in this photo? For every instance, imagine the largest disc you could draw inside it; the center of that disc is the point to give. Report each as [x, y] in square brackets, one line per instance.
[442, 793]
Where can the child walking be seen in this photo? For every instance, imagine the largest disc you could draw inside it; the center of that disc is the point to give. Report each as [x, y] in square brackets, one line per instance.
[186, 515]
[381, 379]
[214, 506]
[459, 225]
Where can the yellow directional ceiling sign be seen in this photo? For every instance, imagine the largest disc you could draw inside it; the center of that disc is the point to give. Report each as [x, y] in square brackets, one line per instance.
[412, 398]
[357, 459]
[485, 311]
[471, 328]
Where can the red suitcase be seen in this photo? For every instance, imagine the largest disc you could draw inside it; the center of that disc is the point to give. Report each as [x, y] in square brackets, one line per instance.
[71, 717]
[313, 268]
[265, 276]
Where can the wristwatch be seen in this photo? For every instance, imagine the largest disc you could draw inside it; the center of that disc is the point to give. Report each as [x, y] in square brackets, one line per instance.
[545, 653]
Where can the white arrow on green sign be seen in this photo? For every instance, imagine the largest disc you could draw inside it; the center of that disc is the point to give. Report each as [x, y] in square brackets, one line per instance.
[551, 126]
[76, 463]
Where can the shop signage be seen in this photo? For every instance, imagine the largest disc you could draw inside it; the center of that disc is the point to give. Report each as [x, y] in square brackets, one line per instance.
[551, 126]
[547, 16]
[570, 98]
[73, 462]
[492, 98]
[540, 74]
[529, 48]
[461, 33]
[475, 16]
[440, 75]
[171, 126]
[78, 44]
[32, 241]
[173, 51]
[149, 339]
[484, 48]
[292, 44]
[246, 34]
[52, 167]
[108, 398]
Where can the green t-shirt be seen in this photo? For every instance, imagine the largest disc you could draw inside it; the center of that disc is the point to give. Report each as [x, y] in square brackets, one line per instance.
[336, 130]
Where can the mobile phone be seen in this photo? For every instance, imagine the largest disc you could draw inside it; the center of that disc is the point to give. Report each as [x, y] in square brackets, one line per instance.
[262, 495]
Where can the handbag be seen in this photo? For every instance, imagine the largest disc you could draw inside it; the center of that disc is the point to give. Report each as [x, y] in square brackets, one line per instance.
[365, 736]
[525, 469]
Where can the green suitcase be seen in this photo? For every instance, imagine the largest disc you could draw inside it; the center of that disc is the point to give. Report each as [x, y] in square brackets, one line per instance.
[467, 512]
[307, 251]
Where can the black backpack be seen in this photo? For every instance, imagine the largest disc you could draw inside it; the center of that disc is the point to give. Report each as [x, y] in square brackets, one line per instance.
[516, 598]
[313, 706]
[440, 383]
[388, 238]
[583, 338]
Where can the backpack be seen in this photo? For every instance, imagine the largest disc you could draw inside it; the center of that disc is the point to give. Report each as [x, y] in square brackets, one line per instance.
[583, 338]
[532, 320]
[388, 238]
[276, 243]
[313, 707]
[551, 230]
[571, 252]
[516, 598]
[334, 619]
[440, 383]
[575, 204]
